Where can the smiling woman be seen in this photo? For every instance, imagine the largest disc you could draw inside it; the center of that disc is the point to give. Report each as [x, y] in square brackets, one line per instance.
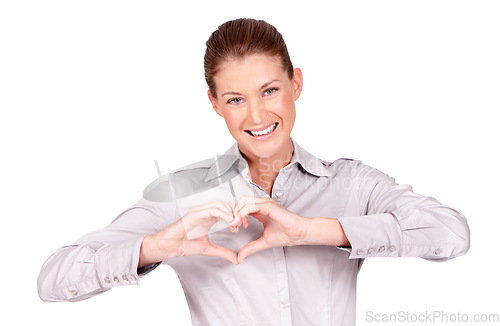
[256, 98]
[308, 224]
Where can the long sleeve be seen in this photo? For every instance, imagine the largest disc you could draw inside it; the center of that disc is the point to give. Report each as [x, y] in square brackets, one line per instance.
[396, 222]
[105, 258]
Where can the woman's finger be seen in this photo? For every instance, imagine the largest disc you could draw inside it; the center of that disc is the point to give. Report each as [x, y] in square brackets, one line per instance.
[260, 211]
[251, 248]
[222, 205]
[198, 222]
[218, 213]
[213, 210]
[233, 227]
[237, 219]
[222, 252]
[242, 200]
[228, 206]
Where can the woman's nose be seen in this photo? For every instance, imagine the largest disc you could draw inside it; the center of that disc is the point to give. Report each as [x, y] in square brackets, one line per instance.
[256, 113]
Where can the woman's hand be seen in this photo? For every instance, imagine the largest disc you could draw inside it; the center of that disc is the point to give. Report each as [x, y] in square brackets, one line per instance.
[189, 236]
[281, 227]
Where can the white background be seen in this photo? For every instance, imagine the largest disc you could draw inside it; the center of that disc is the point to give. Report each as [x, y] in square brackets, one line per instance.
[91, 92]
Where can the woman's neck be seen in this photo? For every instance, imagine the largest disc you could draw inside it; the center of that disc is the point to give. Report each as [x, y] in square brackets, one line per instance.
[264, 170]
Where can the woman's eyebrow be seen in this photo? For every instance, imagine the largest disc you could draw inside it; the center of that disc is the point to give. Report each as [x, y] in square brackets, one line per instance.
[261, 88]
[268, 83]
[231, 93]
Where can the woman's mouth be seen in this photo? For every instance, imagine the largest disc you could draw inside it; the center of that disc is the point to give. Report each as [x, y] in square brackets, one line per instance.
[264, 132]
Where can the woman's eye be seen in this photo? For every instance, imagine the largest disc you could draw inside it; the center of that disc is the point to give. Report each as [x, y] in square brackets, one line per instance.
[235, 101]
[270, 91]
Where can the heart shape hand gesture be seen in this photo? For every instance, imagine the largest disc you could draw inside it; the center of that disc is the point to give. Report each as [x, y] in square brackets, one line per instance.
[189, 235]
[281, 227]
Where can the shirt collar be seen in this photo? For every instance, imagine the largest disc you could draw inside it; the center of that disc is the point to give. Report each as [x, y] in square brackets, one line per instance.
[309, 162]
[224, 162]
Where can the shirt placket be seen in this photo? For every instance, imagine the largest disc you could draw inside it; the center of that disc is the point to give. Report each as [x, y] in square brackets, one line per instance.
[279, 256]
[279, 252]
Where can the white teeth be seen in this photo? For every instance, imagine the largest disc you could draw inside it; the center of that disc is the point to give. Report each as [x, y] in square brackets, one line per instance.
[265, 131]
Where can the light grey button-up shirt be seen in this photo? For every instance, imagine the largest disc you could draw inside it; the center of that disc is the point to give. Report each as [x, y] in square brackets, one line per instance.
[299, 285]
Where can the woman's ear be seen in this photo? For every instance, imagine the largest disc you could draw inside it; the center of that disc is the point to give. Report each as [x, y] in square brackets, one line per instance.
[213, 101]
[298, 82]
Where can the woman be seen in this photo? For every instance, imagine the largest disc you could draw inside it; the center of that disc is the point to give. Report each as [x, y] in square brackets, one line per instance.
[307, 223]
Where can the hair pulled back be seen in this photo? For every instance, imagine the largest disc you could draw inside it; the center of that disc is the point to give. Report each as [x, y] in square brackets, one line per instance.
[238, 38]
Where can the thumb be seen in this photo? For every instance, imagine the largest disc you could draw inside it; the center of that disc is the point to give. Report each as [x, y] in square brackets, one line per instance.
[222, 252]
[251, 248]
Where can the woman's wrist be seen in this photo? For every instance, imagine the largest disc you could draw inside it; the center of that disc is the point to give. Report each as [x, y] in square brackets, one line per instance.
[324, 231]
[160, 246]
[146, 256]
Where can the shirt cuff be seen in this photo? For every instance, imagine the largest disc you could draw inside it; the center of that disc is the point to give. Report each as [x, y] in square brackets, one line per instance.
[143, 271]
[375, 235]
[116, 263]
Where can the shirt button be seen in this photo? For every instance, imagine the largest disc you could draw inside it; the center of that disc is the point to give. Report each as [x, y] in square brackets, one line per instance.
[438, 251]
[381, 249]
[392, 248]
[370, 251]
[278, 194]
[107, 280]
[133, 277]
[124, 277]
[74, 293]
[116, 279]
[359, 252]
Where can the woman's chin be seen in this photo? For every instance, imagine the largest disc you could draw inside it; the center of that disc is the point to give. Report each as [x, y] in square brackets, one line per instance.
[272, 147]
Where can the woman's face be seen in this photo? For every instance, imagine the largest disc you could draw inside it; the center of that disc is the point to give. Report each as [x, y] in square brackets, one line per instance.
[257, 100]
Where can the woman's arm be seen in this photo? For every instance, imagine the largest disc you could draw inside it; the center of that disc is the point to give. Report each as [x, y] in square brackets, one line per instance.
[324, 231]
[104, 258]
[138, 240]
[389, 220]
[396, 222]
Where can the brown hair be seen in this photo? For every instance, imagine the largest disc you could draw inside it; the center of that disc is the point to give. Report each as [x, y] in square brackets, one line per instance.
[237, 38]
